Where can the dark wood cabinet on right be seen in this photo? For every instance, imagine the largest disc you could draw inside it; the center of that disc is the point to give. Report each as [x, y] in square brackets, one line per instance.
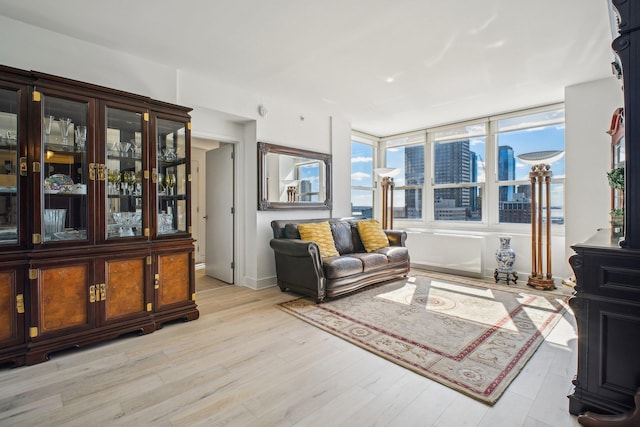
[607, 310]
[606, 301]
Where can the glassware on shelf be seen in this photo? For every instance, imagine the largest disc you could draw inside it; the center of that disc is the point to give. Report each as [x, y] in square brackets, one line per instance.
[54, 220]
[138, 182]
[65, 124]
[48, 121]
[165, 222]
[113, 176]
[170, 181]
[12, 137]
[136, 148]
[169, 154]
[129, 178]
[161, 184]
[126, 221]
[81, 136]
[124, 147]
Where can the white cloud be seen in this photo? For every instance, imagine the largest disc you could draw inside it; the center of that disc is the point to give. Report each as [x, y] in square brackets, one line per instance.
[361, 159]
[360, 176]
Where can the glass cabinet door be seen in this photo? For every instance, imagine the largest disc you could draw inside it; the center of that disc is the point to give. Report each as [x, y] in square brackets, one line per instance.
[9, 166]
[170, 177]
[64, 170]
[125, 172]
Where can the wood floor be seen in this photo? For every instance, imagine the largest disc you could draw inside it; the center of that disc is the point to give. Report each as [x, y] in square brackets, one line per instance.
[246, 363]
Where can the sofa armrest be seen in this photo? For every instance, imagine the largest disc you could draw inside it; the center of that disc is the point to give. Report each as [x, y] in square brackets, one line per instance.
[299, 267]
[294, 247]
[396, 237]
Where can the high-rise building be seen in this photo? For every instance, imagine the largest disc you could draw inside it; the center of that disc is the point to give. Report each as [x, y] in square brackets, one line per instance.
[452, 165]
[506, 172]
[414, 175]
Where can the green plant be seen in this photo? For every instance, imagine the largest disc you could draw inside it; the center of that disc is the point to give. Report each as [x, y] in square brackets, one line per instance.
[616, 177]
[617, 212]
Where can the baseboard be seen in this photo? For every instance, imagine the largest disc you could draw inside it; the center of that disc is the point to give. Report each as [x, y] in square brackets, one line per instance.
[447, 270]
[258, 284]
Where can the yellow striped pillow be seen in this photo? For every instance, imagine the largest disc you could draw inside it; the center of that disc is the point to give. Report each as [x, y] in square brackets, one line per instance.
[319, 232]
[372, 235]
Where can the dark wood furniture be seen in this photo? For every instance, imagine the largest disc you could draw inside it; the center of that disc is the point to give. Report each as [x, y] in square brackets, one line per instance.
[607, 296]
[94, 215]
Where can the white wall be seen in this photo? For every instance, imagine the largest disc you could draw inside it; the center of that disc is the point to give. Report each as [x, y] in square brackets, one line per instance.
[33, 48]
[588, 108]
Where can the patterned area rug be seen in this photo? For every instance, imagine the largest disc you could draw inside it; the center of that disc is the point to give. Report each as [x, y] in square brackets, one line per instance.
[471, 336]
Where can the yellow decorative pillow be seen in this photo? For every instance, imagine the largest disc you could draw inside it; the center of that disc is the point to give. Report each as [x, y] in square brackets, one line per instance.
[319, 232]
[372, 235]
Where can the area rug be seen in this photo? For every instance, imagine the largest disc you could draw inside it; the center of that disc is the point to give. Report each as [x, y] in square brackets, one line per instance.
[472, 336]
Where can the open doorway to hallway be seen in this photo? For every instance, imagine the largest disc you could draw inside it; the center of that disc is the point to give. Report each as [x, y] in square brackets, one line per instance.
[213, 209]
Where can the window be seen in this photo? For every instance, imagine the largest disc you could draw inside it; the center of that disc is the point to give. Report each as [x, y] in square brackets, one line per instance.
[309, 174]
[522, 141]
[407, 155]
[362, 161]
[460, 188]
[458, 172]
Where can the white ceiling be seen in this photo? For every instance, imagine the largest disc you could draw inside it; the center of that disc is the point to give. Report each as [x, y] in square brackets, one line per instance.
[387, 65]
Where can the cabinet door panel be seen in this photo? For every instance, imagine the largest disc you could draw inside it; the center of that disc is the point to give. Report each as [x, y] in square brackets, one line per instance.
[63, 297]
[12, 151]
[174, 275]
[66, 134]
[8, 312]
[125, 283]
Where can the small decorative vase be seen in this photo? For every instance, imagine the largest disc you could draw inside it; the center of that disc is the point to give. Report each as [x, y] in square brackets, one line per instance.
[505, 255]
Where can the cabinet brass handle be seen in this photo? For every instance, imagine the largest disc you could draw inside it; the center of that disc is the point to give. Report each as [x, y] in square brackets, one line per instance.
[23, 166]
[103, 292]
[102, 171]
[20, 304]
[92, 294]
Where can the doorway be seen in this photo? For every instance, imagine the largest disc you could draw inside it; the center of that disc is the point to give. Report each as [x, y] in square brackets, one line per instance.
[220, 213]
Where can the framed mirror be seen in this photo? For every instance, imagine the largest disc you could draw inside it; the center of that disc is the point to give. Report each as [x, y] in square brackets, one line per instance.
[291, 178]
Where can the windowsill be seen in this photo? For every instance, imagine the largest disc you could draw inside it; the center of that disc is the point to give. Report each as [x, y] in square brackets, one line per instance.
[466, 228]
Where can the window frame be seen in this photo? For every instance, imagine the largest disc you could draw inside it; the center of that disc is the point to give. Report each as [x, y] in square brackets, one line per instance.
[410, 142]
[489, 188]
[366, 139]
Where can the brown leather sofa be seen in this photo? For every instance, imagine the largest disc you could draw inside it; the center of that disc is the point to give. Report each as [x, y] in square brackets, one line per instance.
[300, 269]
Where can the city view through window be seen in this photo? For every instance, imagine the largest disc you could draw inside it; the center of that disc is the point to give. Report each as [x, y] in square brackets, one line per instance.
[459, 182]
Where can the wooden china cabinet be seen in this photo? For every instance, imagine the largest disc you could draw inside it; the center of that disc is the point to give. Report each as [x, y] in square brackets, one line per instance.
[606, 302]
[94, 215]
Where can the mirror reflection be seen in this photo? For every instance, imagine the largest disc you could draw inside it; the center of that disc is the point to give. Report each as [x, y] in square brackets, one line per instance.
[293, 179]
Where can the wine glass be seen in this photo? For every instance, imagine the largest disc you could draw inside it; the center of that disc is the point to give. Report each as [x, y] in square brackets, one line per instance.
[161, 187]
[113, 175]
[81, 136]
[64, 124]
[129, 178]
[124, 149]
[170, 181]
[48, 121]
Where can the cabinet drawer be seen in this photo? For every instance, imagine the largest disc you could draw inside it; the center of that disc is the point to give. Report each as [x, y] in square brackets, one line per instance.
[611, 276]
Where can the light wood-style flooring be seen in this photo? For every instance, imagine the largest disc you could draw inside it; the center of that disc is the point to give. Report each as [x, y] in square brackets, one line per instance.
[246, 363]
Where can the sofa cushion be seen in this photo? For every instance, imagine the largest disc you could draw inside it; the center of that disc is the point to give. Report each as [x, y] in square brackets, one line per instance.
[371, 261]
[342, 266]
[320, 233]
[342, 237]
[395, 253]
[372, 235]
[291, 231]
